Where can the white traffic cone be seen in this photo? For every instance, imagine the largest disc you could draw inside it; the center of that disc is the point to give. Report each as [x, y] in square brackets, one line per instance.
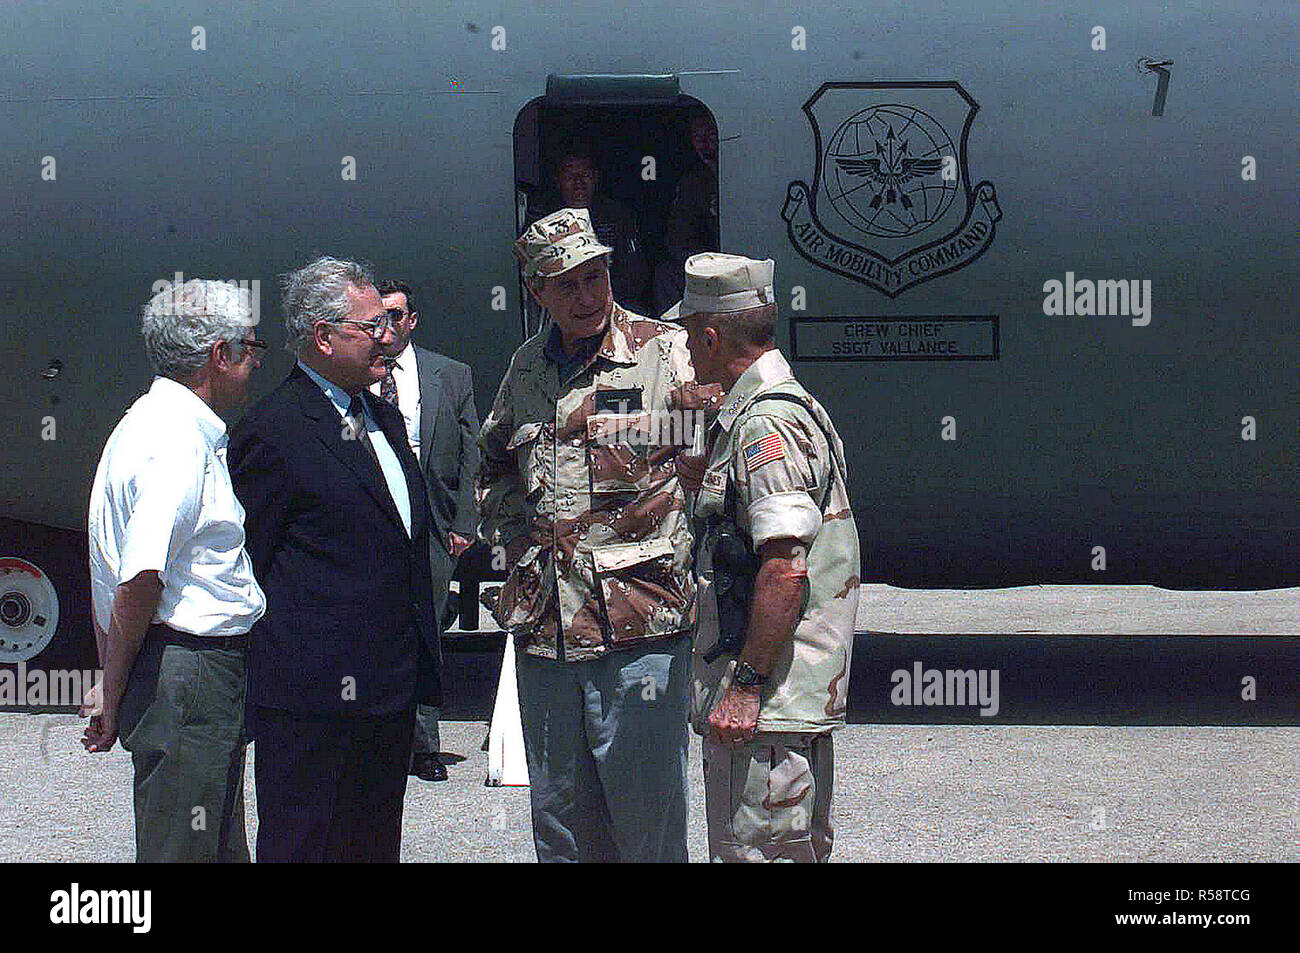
[507, 763]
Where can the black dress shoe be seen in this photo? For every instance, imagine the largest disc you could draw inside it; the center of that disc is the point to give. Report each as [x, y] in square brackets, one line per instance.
[451, 612]
[427, 767]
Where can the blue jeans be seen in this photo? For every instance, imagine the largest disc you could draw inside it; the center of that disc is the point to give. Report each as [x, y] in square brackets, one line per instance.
[606, 746]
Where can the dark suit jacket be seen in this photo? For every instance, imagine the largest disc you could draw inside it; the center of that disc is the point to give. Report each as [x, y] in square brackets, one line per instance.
[448, 451]
[348, 592]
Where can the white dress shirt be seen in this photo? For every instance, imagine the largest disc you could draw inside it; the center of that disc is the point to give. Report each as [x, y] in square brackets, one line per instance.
[407, 379]
[394, 476]
[162, 501]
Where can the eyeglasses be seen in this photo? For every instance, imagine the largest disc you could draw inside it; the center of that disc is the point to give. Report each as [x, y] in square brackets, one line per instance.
[253, 348]
[377, 328]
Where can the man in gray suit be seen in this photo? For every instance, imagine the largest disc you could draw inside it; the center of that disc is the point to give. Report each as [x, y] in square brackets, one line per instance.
[436, 398]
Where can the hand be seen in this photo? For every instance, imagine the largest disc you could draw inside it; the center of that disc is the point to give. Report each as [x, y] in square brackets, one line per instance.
[101, 734]
[695, 396]
[736, 717]
[690, 471]
[457, 544]
[92, 701]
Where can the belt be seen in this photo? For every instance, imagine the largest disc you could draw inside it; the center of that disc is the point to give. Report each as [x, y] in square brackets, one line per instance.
[169, 636]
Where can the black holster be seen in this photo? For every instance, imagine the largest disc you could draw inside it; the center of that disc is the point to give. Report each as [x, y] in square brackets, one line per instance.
[734, 568]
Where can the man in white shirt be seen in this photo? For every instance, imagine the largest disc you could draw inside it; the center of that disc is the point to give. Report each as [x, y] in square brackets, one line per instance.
[435, 396]
[172, 585]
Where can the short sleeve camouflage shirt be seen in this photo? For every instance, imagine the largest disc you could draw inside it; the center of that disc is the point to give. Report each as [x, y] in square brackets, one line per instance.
[782, 468]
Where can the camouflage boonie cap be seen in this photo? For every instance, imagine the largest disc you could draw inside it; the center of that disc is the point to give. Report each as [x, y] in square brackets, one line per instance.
[557, 242]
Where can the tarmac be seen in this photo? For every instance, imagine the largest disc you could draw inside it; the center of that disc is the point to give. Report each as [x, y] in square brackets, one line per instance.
[902, 793]
[1174, 792]
[1078, 610]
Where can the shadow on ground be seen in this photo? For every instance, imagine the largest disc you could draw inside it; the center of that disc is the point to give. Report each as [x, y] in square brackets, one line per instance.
[1041, 679]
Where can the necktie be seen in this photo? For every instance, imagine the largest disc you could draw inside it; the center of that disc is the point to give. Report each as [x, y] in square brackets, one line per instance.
[388, 388]
[357, 423]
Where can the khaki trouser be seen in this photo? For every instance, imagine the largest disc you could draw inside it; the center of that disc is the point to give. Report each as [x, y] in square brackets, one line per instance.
[182, 719]
[770, 799]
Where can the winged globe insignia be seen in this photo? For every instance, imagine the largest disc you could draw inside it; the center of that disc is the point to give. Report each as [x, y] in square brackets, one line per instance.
[891, 204]
[890, 169]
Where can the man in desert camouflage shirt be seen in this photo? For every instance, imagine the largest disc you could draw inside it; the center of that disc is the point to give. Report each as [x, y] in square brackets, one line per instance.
[578, 483]
[774, 472]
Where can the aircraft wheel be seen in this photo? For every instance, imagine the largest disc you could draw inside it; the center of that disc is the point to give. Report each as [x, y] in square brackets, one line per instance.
[29, 610]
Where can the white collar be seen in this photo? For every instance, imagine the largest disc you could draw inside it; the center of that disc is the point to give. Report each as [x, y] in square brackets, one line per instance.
[406, 360]
[176, 395]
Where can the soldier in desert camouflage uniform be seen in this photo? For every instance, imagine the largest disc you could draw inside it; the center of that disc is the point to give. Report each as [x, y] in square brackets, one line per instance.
[774, 471]
[580, 488]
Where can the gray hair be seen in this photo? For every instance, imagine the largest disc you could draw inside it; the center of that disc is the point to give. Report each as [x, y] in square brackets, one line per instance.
[182, 322]
[748, 329]
[319, 292]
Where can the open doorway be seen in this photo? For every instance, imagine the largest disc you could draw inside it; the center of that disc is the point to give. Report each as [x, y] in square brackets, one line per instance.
[647, 172]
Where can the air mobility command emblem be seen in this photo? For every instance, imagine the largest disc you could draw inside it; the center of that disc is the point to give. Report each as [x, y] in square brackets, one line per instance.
[891, 203]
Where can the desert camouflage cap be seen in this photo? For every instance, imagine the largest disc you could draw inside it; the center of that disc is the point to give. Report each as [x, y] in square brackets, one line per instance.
[557, 242]
[722, 284]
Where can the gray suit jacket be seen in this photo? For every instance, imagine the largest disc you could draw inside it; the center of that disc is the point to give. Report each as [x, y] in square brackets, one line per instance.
[448, 454]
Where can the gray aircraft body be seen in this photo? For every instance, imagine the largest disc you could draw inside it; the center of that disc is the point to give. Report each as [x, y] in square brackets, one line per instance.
[1038, 261]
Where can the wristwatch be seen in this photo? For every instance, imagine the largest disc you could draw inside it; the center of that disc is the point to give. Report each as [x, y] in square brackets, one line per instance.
[746, 677]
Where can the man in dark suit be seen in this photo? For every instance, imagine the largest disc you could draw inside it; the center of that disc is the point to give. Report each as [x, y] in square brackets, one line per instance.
[337, 527]
[436, 398]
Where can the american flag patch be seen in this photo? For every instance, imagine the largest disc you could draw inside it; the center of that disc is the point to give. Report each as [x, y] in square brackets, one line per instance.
[764, 450]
